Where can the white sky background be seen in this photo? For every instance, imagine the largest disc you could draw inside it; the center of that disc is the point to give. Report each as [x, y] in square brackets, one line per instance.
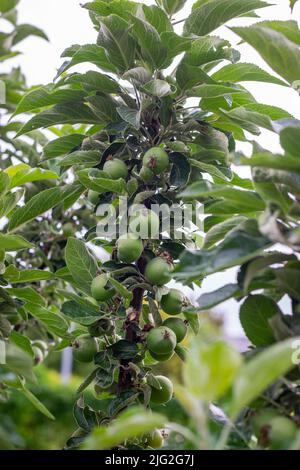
[66, 23]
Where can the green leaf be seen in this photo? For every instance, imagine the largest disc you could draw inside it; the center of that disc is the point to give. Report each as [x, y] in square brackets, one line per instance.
[93, 81]
[258, 266]
[14, 276]
[47, 96]
[18, 362]
[119, 45]
[272, 193]
[270, 161]
[54, 323]
[31, 174]
[282, 55]
[158, 88]
[14, 242]
[64, 113]
[260, 372]
[210, 369]
[238, 247]
[218, 232]
[158, 18]
[132, 116]
[7, 5]
[9, 202]
[4, 183]
[152, 47]
[35, 402]
[139, 75]
[215, 13]
[203, 189]
[212, 91]
[289, 281]
[175, 44]
[289, 139]
[208, 168]
[209, 50]
[124, 349]
[211, 299]
[173, 6]
[193, 318]
[133, 422]
[249, 120]
[28, 294]
[62, 145]
[188, 76]
[87, 53]
[81, 157]
[81, 264]
[244, 72]
[104, 8]
[84, 313]
[37, 205]
[23, 31]
[289, 29]
[104, 107]
[22, 342]
[123, 291]
[98, 181]
[255, 314]
[293, 3]
[104, 378]
[181, 169]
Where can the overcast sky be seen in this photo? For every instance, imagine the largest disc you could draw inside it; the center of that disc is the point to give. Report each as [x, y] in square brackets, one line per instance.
[66, 23]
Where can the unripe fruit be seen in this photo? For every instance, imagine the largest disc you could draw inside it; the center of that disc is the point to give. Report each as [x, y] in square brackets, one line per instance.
[38, 355]
[93, 197]
[132, 186]
[165, 393]
[262, 419]
[172, 302]
[146, 174]
[116, 169]
[162, 357]
[156, 159]
[103, 327]
[178, 326]
[42, 345]
[99, 289]
[154, 439]
[178, 146]
[85, 348]
[282, 433]
[68, 229]
[158, 272]
[130, 248]
[161, 340]
[144, 223]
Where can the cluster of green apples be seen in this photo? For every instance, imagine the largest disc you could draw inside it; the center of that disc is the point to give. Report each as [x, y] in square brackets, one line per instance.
[155, 163]
[159, 343]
